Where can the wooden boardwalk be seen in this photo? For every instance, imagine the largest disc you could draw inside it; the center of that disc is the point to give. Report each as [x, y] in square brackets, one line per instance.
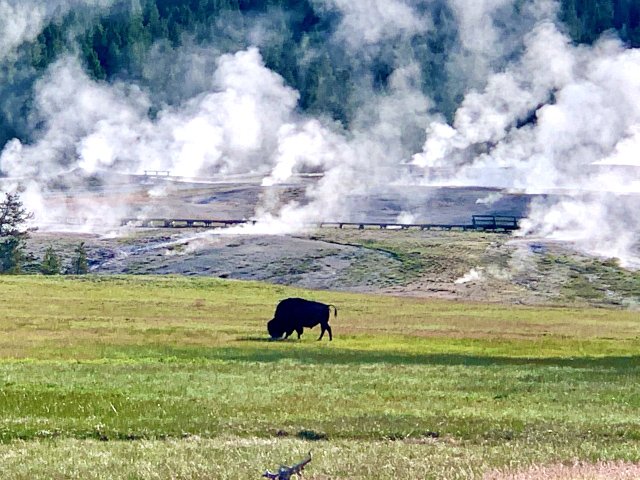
[495, 223]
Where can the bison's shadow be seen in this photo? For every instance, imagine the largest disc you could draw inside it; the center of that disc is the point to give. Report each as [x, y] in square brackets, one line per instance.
[262, 339]
[254, 338]
[335, 355]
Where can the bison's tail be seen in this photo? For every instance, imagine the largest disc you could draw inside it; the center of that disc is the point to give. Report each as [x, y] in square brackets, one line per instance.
[335, 310]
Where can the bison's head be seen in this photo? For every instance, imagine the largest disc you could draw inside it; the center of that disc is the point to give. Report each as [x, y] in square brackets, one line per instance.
[275, 329]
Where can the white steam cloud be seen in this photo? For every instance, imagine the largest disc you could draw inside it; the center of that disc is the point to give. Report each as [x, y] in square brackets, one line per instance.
[19, 22]
[247, 124]
[490, 33]
[473, 275]
[539, 115]
[95, 125]
[551, 122]
[23, 20]
[369, 23]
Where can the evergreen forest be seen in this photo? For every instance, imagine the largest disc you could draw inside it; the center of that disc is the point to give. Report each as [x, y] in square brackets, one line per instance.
[295, 38]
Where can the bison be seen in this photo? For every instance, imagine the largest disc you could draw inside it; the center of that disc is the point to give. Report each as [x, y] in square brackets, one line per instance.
[293, 314]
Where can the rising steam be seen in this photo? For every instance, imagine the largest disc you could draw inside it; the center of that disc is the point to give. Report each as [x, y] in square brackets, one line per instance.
[538, 115]
[560, 120]
[22, 20]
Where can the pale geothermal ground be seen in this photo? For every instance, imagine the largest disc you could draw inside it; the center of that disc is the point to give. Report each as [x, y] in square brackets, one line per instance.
[479, 266]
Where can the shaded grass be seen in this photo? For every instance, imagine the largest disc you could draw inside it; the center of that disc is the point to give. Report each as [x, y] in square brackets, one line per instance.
[422, 386]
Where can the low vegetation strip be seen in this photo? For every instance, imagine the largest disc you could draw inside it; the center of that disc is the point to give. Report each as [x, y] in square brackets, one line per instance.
[94, 372]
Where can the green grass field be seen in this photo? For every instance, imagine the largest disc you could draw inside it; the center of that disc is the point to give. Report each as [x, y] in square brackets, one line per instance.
[166, 377]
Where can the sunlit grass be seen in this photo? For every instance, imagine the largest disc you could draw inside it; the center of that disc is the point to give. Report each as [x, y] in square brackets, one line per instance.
[232, 458]
[94, 371]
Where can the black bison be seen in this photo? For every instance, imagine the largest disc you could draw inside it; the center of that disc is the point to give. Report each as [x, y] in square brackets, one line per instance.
[293, 314]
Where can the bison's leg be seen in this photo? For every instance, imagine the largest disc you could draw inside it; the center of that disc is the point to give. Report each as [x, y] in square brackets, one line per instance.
[289, 332]
[325, 326]
[299, 331]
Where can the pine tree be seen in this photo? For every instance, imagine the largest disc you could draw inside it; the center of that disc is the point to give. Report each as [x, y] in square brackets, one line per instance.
[79, 264]
[569, 15]
[13, 233]
[50, 263]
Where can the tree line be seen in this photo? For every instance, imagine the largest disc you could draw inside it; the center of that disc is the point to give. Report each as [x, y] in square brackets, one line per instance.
[586, 20]
[116, 44]
[14, 233]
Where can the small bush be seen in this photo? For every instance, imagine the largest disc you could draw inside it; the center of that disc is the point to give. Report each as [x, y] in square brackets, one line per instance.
[50, 263]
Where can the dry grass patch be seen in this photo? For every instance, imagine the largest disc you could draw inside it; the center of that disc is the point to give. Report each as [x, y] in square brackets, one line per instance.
[575, 471]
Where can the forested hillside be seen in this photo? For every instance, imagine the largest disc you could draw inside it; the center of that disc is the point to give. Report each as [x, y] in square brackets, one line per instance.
[138, 40]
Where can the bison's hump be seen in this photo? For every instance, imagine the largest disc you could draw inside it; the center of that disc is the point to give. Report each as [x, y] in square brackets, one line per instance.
[295, 301]
[298, 311]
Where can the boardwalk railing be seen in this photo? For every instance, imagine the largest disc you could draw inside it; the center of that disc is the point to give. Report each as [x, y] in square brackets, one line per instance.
[182, 222]
[393, 226]
[156, 173]
[496, 223]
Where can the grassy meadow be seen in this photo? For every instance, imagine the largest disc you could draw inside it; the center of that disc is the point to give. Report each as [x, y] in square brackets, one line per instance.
[172, 377]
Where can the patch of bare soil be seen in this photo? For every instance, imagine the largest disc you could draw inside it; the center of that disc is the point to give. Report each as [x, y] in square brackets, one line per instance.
[575, 471]
[298, 261]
